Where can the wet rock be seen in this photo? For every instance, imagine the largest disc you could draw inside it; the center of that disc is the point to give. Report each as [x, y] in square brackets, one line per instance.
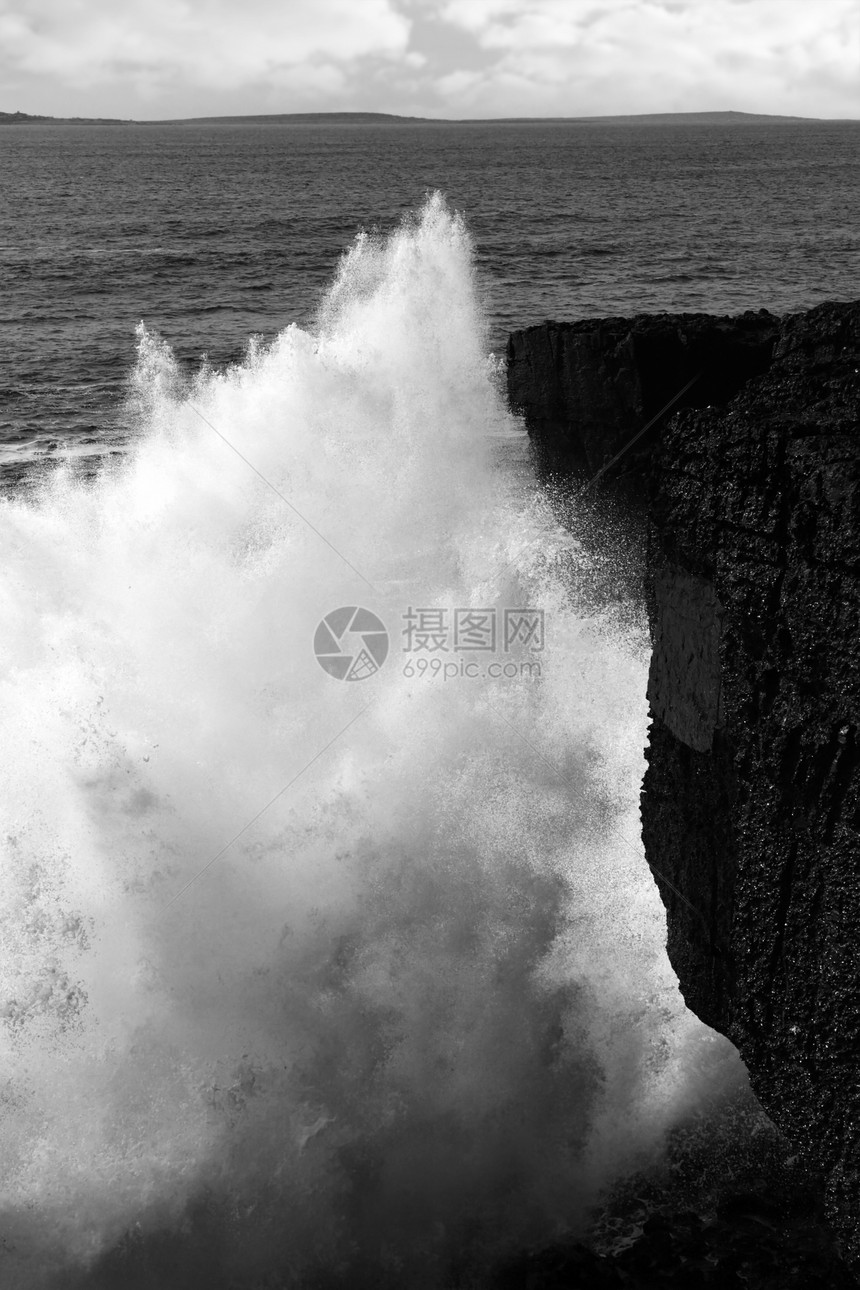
[586, 388]
[751, 799]
[747, 1245]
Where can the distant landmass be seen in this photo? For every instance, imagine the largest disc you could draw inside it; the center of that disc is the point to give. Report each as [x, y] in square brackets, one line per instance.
[387, 118]
[26, 118]
[688, 118]
[307, 118]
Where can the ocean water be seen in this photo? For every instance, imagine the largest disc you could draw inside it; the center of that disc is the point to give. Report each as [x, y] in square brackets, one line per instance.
[310, 981]
[210, 234]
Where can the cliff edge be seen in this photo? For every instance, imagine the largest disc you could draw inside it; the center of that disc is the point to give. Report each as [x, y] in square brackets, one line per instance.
[750, 485]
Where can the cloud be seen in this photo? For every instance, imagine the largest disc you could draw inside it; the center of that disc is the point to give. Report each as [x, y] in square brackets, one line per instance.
[434, 57]
[657, 55]
[152, 45]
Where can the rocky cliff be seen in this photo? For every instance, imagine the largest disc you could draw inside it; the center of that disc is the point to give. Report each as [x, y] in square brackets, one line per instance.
[750, 484]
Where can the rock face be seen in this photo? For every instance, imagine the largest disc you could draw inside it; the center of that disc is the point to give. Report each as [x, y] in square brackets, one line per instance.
[751, 800]
[586, 387]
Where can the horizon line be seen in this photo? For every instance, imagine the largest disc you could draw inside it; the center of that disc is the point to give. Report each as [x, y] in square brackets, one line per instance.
[345, 115]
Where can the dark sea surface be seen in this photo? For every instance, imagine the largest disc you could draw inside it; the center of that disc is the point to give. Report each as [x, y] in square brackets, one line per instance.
[213, 233]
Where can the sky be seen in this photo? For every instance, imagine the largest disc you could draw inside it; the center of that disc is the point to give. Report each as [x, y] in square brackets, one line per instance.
[150, 59]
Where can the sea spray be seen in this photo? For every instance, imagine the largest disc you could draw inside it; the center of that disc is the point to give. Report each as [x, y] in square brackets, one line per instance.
[324, 981]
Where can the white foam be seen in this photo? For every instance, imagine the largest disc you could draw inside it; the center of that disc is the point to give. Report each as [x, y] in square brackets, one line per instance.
[423, 1001]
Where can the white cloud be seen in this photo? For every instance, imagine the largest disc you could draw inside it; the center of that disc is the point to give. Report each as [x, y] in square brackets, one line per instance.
[439, 57]
[209, 43]
[650, 55]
